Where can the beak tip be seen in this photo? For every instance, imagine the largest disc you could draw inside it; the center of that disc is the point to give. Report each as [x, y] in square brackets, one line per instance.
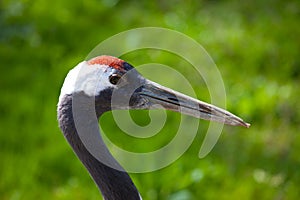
[245, 124]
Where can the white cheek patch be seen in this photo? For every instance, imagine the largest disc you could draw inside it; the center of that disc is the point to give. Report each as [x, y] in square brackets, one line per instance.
[88, 79]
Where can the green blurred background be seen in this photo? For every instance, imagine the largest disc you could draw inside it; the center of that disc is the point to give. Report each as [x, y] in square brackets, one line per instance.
[255, 45]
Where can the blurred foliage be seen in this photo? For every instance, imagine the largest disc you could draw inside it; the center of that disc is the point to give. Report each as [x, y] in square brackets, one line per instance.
[255, 45]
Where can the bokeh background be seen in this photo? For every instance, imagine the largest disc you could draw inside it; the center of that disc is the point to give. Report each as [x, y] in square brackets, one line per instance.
[255, 45]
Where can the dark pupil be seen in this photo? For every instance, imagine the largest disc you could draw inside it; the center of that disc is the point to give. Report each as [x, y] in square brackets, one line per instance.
[113, 79]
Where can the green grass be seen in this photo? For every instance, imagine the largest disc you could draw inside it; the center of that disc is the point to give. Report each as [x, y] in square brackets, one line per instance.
[255, 45]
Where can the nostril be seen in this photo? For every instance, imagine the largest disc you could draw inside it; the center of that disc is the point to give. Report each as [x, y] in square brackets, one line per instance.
[173, 99]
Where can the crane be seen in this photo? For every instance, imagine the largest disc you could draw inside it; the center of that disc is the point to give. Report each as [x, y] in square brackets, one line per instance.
[111, 83]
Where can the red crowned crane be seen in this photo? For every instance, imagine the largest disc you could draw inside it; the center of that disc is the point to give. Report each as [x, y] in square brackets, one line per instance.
[109, 76]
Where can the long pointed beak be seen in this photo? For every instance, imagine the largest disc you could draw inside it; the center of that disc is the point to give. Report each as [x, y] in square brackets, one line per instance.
[157, 96]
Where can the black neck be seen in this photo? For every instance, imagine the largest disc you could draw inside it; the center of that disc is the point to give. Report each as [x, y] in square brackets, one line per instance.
[113, 184]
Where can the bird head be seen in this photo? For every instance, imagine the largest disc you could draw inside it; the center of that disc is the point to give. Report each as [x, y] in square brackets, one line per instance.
[115, 84]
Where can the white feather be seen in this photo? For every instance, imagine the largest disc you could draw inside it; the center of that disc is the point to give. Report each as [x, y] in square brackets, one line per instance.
[86, 78]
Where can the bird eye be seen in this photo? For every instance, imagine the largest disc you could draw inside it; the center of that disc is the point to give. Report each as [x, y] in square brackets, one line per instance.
[114, 78]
